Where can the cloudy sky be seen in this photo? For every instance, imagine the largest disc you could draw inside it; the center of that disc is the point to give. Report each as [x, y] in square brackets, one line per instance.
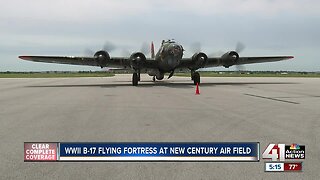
[70, 27]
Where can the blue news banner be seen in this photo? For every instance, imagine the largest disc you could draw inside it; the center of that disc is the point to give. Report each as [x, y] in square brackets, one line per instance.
[158, 151]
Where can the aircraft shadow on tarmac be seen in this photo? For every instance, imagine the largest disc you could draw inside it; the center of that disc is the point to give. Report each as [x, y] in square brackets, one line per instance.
[175, 84]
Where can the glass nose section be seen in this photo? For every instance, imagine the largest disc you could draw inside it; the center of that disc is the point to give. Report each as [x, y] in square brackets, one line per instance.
[175, 50]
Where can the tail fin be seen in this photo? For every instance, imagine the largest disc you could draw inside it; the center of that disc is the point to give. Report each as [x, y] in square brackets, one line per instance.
[152, 50]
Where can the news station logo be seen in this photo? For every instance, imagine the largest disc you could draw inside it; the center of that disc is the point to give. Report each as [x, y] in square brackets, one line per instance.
[282, 152]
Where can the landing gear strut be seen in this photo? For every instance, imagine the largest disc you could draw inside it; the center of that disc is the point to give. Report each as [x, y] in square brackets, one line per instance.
[135, 79]
[195, 76]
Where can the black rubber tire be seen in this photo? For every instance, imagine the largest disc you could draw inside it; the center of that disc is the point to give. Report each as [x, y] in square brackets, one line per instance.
[196, 78]
[135, 79]
[154, 79]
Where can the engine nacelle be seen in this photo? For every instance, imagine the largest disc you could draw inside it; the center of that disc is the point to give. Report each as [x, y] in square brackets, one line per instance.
[137, 60]
[230, 58]
[102, 58]
[199, 60]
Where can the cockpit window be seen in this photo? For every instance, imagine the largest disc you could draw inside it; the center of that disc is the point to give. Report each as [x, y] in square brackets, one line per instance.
[168, 41]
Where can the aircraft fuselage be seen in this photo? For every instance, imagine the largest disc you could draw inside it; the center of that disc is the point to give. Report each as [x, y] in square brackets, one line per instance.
[169, 56]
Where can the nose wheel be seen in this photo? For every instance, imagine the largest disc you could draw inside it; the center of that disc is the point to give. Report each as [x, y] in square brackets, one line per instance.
[195, 76]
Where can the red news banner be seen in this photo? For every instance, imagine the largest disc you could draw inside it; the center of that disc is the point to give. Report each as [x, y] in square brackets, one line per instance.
[288, 166]
[40, 151]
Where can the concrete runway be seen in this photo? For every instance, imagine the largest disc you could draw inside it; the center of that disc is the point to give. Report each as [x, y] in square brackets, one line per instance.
[265, 110]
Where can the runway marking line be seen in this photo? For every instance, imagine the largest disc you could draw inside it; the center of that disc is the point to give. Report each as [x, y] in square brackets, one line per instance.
[274, 99]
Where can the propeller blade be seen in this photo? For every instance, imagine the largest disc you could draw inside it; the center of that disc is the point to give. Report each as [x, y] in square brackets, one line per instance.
[195, 47]
[88, 52]
[108, 46]
[125, 53]
[144, 48]
[240, 67]
[239, 47]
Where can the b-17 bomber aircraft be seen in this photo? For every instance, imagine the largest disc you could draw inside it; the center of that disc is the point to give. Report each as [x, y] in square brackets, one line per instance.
[168, 59]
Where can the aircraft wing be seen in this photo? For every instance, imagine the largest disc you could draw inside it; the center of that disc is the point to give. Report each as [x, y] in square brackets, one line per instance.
[251, 60]
[114, 62]
[220, 61]
[126, 63]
